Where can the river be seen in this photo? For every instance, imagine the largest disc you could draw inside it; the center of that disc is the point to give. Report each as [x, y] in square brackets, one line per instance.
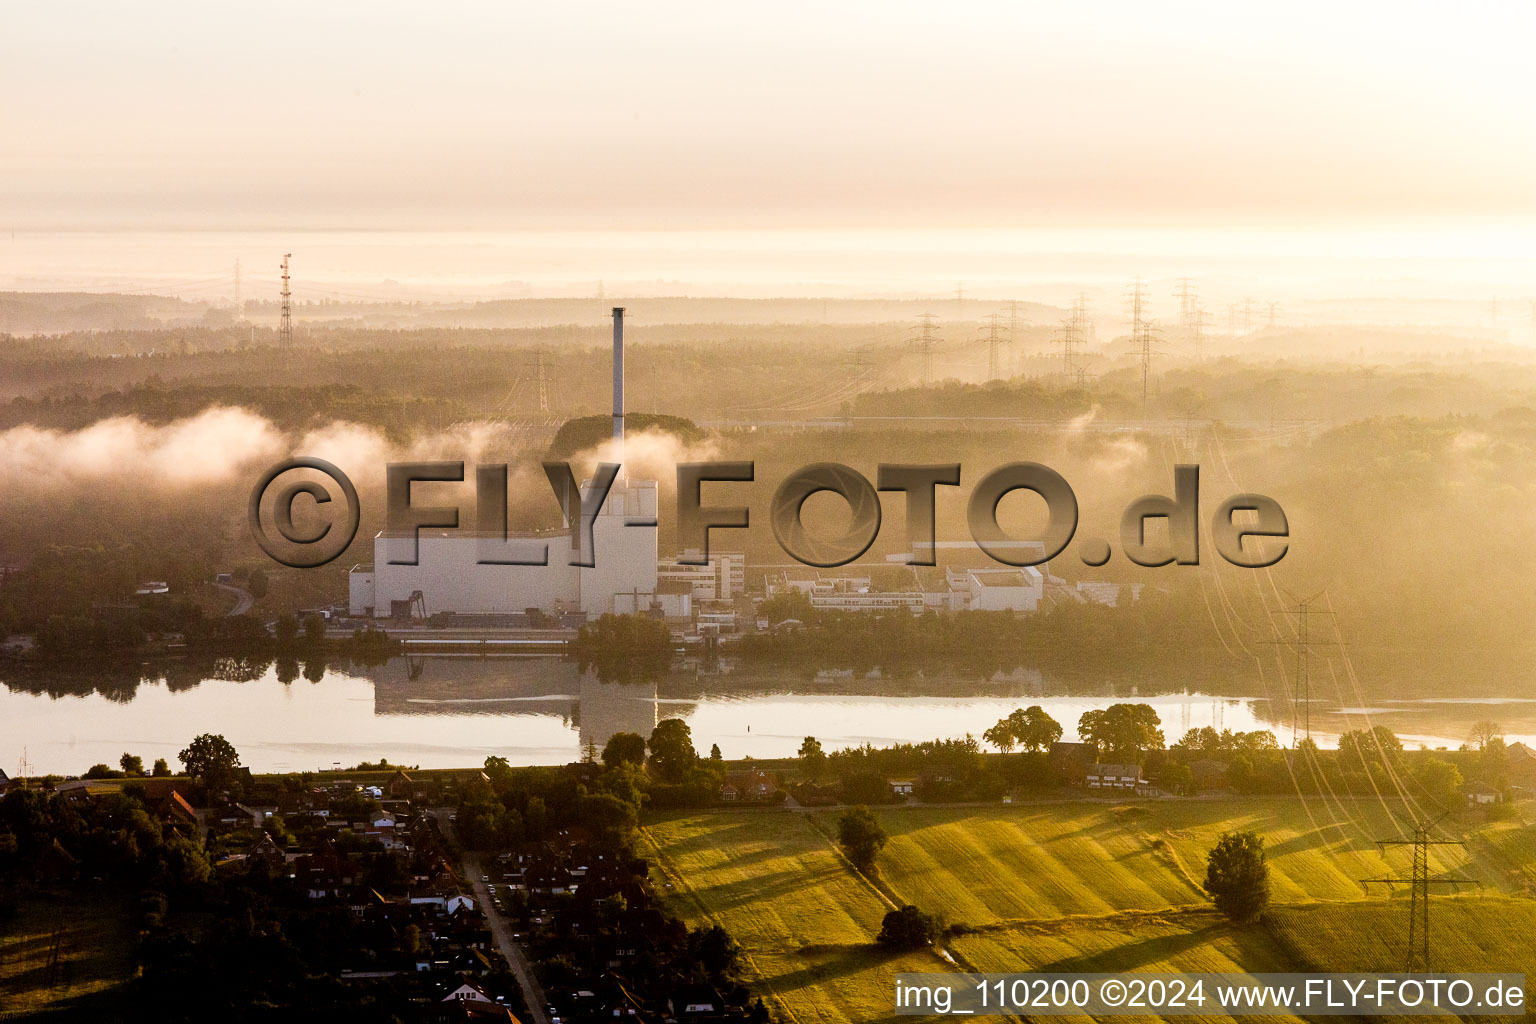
[456, 711]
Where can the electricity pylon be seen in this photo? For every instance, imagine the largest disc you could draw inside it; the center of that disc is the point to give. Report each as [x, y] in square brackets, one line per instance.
[1069, 335]
[1141, 336]
[1418, 908]
[1198, 322]
[1302, 643]
[927, 338]
[995, 338]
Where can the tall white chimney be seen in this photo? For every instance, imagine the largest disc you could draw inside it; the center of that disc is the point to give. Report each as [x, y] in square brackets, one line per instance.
[618, 378]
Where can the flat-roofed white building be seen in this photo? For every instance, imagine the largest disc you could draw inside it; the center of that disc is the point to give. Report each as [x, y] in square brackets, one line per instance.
[869, 601]
[700, 579]
[998, 590]
[448, 576]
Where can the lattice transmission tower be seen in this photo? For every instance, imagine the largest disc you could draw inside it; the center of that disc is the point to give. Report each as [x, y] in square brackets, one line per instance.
[285, 322]
[995, 339]
[1418, 958]
[927, 338]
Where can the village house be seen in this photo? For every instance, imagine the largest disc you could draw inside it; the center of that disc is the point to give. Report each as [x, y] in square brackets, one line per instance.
[1521, 766]
[1479, 795]
[749, 787]
[1114, 776]
[1070, 760]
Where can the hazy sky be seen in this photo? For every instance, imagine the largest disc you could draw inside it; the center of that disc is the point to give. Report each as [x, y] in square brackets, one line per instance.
[660, 115]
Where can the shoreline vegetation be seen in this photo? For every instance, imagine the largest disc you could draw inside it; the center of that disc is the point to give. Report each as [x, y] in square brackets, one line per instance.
[1122, 752]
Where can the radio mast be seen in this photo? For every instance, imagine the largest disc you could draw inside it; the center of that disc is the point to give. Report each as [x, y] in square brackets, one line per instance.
[285, 324]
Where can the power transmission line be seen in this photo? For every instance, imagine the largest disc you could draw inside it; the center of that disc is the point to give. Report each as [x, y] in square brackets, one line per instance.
[1418, 908]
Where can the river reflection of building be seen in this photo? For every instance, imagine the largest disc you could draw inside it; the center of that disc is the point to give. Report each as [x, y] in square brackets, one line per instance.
[521, 686]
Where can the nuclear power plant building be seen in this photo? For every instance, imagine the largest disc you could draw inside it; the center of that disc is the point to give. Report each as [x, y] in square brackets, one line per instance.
[449, 573]
[448, 576]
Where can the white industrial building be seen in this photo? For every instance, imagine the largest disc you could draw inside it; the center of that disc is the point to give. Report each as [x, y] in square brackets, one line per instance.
[1011, 590]
[448, 577]
[720, 580]
[996, 590]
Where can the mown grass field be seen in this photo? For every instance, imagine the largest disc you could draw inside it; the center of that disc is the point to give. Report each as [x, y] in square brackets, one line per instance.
[95, 953]
[1070, 886]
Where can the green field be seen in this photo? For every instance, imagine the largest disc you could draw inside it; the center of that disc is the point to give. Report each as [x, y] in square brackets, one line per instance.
[94, 953]
[1071, 886]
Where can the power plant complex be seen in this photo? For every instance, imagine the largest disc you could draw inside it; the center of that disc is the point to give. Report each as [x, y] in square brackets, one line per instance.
[447, 574]
[428, 572]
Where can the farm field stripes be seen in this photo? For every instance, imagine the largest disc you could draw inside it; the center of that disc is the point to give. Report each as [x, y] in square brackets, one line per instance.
[1181, 940]
[777, 886]
[981, 865]
[59, 951]
[1064, 886]
[1469, 932]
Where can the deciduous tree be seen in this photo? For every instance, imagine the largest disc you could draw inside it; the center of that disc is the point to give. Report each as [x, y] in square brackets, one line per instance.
[1121, 732]
[1237, 876]
[672, 752]
[861, 837]
[211, 759]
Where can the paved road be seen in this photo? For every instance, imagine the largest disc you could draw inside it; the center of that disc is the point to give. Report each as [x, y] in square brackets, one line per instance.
[501, 930]
[533, 995]
[243, 598]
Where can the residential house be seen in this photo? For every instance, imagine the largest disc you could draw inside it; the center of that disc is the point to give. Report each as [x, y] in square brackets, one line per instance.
[174, 810]
[1521, 766]
[749, 786]
[1114, 776]
[266, 849]
[57, 864]
[1479, 795]
[403, 787]
[697, 1003]
[1071, 760]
